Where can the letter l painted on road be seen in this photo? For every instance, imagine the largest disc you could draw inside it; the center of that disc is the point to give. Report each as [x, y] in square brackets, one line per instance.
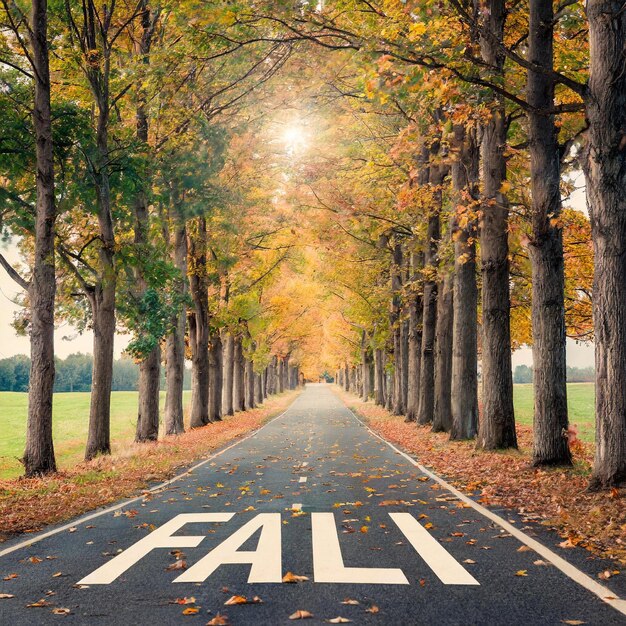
[328, 564]
[158, 538]
[448, 570]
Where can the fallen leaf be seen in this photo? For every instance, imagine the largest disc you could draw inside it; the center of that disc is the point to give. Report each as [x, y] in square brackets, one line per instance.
[6, 596]
[521, 572]
[339, 620]
[35, 559]
[524, 549]
[469, 561]
[39, 603]
[372, 609]
[57, 574]
[350, 601]
[219, 620]
[299, 614]
[61, 611]
[572, 622]
[10, 577]
[294, 578]
[539, 562]
[190, 600]
[176, 565]
[191, 610]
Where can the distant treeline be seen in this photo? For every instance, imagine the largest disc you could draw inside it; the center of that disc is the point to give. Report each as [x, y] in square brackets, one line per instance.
[74, 374]
[524, 374]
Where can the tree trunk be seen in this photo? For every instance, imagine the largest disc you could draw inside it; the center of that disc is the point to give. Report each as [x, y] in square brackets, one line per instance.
[198, 323]
[39, 452]
[426, 404]
[149, 387]
[249, 376]
[398, 407]
[546, 249]
[238, 376]
[365, 364]
[216, 369]
[605, 172]
[464, 392]
[150, 365]
[416, 308]
[229, 370]
[442, 417]
[103, 313]
[258, 388]
[175, 342]
[497, 426]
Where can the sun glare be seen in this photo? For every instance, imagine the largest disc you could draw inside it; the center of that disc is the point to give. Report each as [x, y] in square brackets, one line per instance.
[295, 138]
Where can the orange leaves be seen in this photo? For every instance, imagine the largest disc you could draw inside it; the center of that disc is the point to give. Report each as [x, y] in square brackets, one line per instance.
[218, 620]
[289, 577]
[234, 600]
[191, 610]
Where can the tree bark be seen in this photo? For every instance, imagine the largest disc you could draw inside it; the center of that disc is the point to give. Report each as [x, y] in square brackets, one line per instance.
[442, 415]
[546, 249]
[198, 321]
[39, 456]
[416, 308]
[398, 407]
[249, 376]
[216, 369]
[229, 370]
[175, 341]
[365, 364]
[239, 391]
[102, 298]
[426, 404]
[258, 388]
[497, 426]
[605, 171]
[150, 365]
[464, 393]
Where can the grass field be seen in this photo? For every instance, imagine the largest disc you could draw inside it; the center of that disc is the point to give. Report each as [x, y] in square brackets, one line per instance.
[71, 413]
[580, 401]
[71, 416]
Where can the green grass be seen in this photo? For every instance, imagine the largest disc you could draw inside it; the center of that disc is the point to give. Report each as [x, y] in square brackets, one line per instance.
[70, 421]
[580, 401]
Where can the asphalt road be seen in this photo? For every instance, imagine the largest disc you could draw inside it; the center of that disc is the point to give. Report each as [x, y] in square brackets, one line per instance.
[313, 493]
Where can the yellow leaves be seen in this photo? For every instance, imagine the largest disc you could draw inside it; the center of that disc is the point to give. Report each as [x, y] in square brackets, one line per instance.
[289, 577]
[300, 614]
[505, 187]
[428, 525]
[364, 529]
[521, 573]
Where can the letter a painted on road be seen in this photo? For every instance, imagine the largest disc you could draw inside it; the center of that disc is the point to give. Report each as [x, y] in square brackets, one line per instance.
[328, 564]
[266, 560]
[159, 538]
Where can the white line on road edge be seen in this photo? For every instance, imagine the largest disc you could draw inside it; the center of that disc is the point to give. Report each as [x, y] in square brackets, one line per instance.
[604, 593]
[167, 483]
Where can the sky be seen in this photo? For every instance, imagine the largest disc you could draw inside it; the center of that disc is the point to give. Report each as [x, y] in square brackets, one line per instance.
[68, 340]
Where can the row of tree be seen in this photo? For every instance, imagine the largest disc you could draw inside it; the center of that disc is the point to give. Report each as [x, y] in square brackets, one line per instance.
[122, 144]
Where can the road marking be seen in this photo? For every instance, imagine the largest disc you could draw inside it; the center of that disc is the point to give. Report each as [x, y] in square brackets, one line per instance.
[159, 538]
[328, 566]
[302, 479]
[266, 560]
[156, 488]
[604, 593]
[446, 567]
